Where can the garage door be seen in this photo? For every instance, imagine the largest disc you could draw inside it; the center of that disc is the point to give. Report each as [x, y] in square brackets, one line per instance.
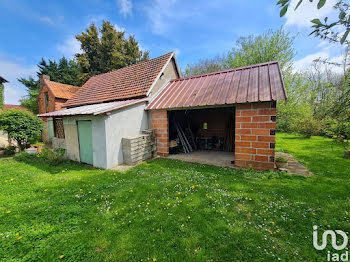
[85, 141]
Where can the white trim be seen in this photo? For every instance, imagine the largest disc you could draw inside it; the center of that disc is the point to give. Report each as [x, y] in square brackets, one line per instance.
[161, 71]
[119, 107]
[158, 92]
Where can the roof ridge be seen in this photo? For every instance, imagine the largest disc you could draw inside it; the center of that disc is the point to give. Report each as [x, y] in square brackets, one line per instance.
[141, 62]
[225, 71]
[60, 83]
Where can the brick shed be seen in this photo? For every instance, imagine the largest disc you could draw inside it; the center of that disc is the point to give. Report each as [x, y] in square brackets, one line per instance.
[232, 111]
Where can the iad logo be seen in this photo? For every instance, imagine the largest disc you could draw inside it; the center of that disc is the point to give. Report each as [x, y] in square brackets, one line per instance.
[330, 256]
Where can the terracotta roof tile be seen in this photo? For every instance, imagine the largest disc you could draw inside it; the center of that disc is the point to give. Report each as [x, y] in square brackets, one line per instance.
[261, 82]
[129, 82]
[61, 90]
[6, 106]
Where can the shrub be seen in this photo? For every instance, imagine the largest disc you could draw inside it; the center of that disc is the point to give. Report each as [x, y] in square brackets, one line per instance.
[308, 127]
[21, 126]
[55, 156]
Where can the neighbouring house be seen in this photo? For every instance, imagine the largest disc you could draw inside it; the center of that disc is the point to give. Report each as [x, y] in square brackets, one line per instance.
[229, 114]
[51, 98]
[8, 106]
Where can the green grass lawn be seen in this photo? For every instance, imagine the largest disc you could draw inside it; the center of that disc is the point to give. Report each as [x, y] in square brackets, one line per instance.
[173, 211]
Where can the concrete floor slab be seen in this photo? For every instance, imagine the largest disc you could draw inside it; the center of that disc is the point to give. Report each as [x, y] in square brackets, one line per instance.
[215, 158]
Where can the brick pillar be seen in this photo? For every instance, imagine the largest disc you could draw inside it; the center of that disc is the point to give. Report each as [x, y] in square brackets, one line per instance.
[159, 121]
[255, 135]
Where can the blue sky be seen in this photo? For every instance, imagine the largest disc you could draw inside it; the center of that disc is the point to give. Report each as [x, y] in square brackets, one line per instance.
[34, 29]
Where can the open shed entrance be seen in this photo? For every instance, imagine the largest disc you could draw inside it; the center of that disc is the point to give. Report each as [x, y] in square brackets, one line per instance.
[203, 135]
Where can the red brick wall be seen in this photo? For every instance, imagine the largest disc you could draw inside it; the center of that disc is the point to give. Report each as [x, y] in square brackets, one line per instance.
[255, 135]
[159, 121]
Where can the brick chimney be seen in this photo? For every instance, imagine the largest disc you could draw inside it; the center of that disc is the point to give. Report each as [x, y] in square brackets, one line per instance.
[42, 78]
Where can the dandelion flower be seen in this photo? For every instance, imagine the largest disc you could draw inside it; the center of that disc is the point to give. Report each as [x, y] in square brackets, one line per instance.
[177, 198]
[8, 212]
[169, 204]
[19, 238]
[154, 259]
[61, 256]
[45, 190]
[89, 192]
[158, 230]
[189, 217]
[147, 203]
[250, 199]
[5, 181]
[193, 186]
[11, 179]
[273, 223]
[95, 199]
[92, 185]
[179, 193]
[116, 212]
[17, 234]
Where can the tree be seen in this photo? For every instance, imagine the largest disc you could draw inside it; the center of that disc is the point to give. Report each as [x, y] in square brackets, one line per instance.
[271, 46]
[107, 51]
[65, 72]
[204, 66]
[327, 30]
[21, 126]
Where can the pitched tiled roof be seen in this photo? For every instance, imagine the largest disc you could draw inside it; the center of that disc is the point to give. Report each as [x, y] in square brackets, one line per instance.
[129, 82]
[95, 109]
[261, 82]
[7, 106]
[61, 90]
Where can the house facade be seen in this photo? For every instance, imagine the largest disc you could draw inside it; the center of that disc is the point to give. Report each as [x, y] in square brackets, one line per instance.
[51, 98]
[233, 111]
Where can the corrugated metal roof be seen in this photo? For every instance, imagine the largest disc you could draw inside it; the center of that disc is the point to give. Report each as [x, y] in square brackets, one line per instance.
[126, 83]
[261, 82]
[95, 109]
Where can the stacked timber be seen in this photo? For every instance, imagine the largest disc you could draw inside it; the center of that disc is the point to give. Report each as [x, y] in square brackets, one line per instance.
[139, 148]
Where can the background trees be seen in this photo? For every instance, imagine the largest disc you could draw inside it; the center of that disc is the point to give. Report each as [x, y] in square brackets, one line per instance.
[103, 50]
[64, 71]
[106, 49]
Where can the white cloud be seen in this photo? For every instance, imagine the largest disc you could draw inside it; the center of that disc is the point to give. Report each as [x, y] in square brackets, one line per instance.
[305, 62]
[163, 17]
[69, 47]
[11, 71]
[307, 11]
[125, 7]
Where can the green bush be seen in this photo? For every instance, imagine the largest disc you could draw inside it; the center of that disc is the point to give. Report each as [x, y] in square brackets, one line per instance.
[55, 156]
[308, 127]
[21, 126]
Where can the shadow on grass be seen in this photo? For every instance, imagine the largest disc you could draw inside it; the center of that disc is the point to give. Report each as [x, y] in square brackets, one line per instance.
[48, 166]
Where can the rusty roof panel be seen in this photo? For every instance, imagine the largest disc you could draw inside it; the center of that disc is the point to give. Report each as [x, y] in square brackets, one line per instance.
[261, 82]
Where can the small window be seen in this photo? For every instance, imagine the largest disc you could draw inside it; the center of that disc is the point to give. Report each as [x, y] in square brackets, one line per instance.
[58, 127]
[46, 102]
[205, 125]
